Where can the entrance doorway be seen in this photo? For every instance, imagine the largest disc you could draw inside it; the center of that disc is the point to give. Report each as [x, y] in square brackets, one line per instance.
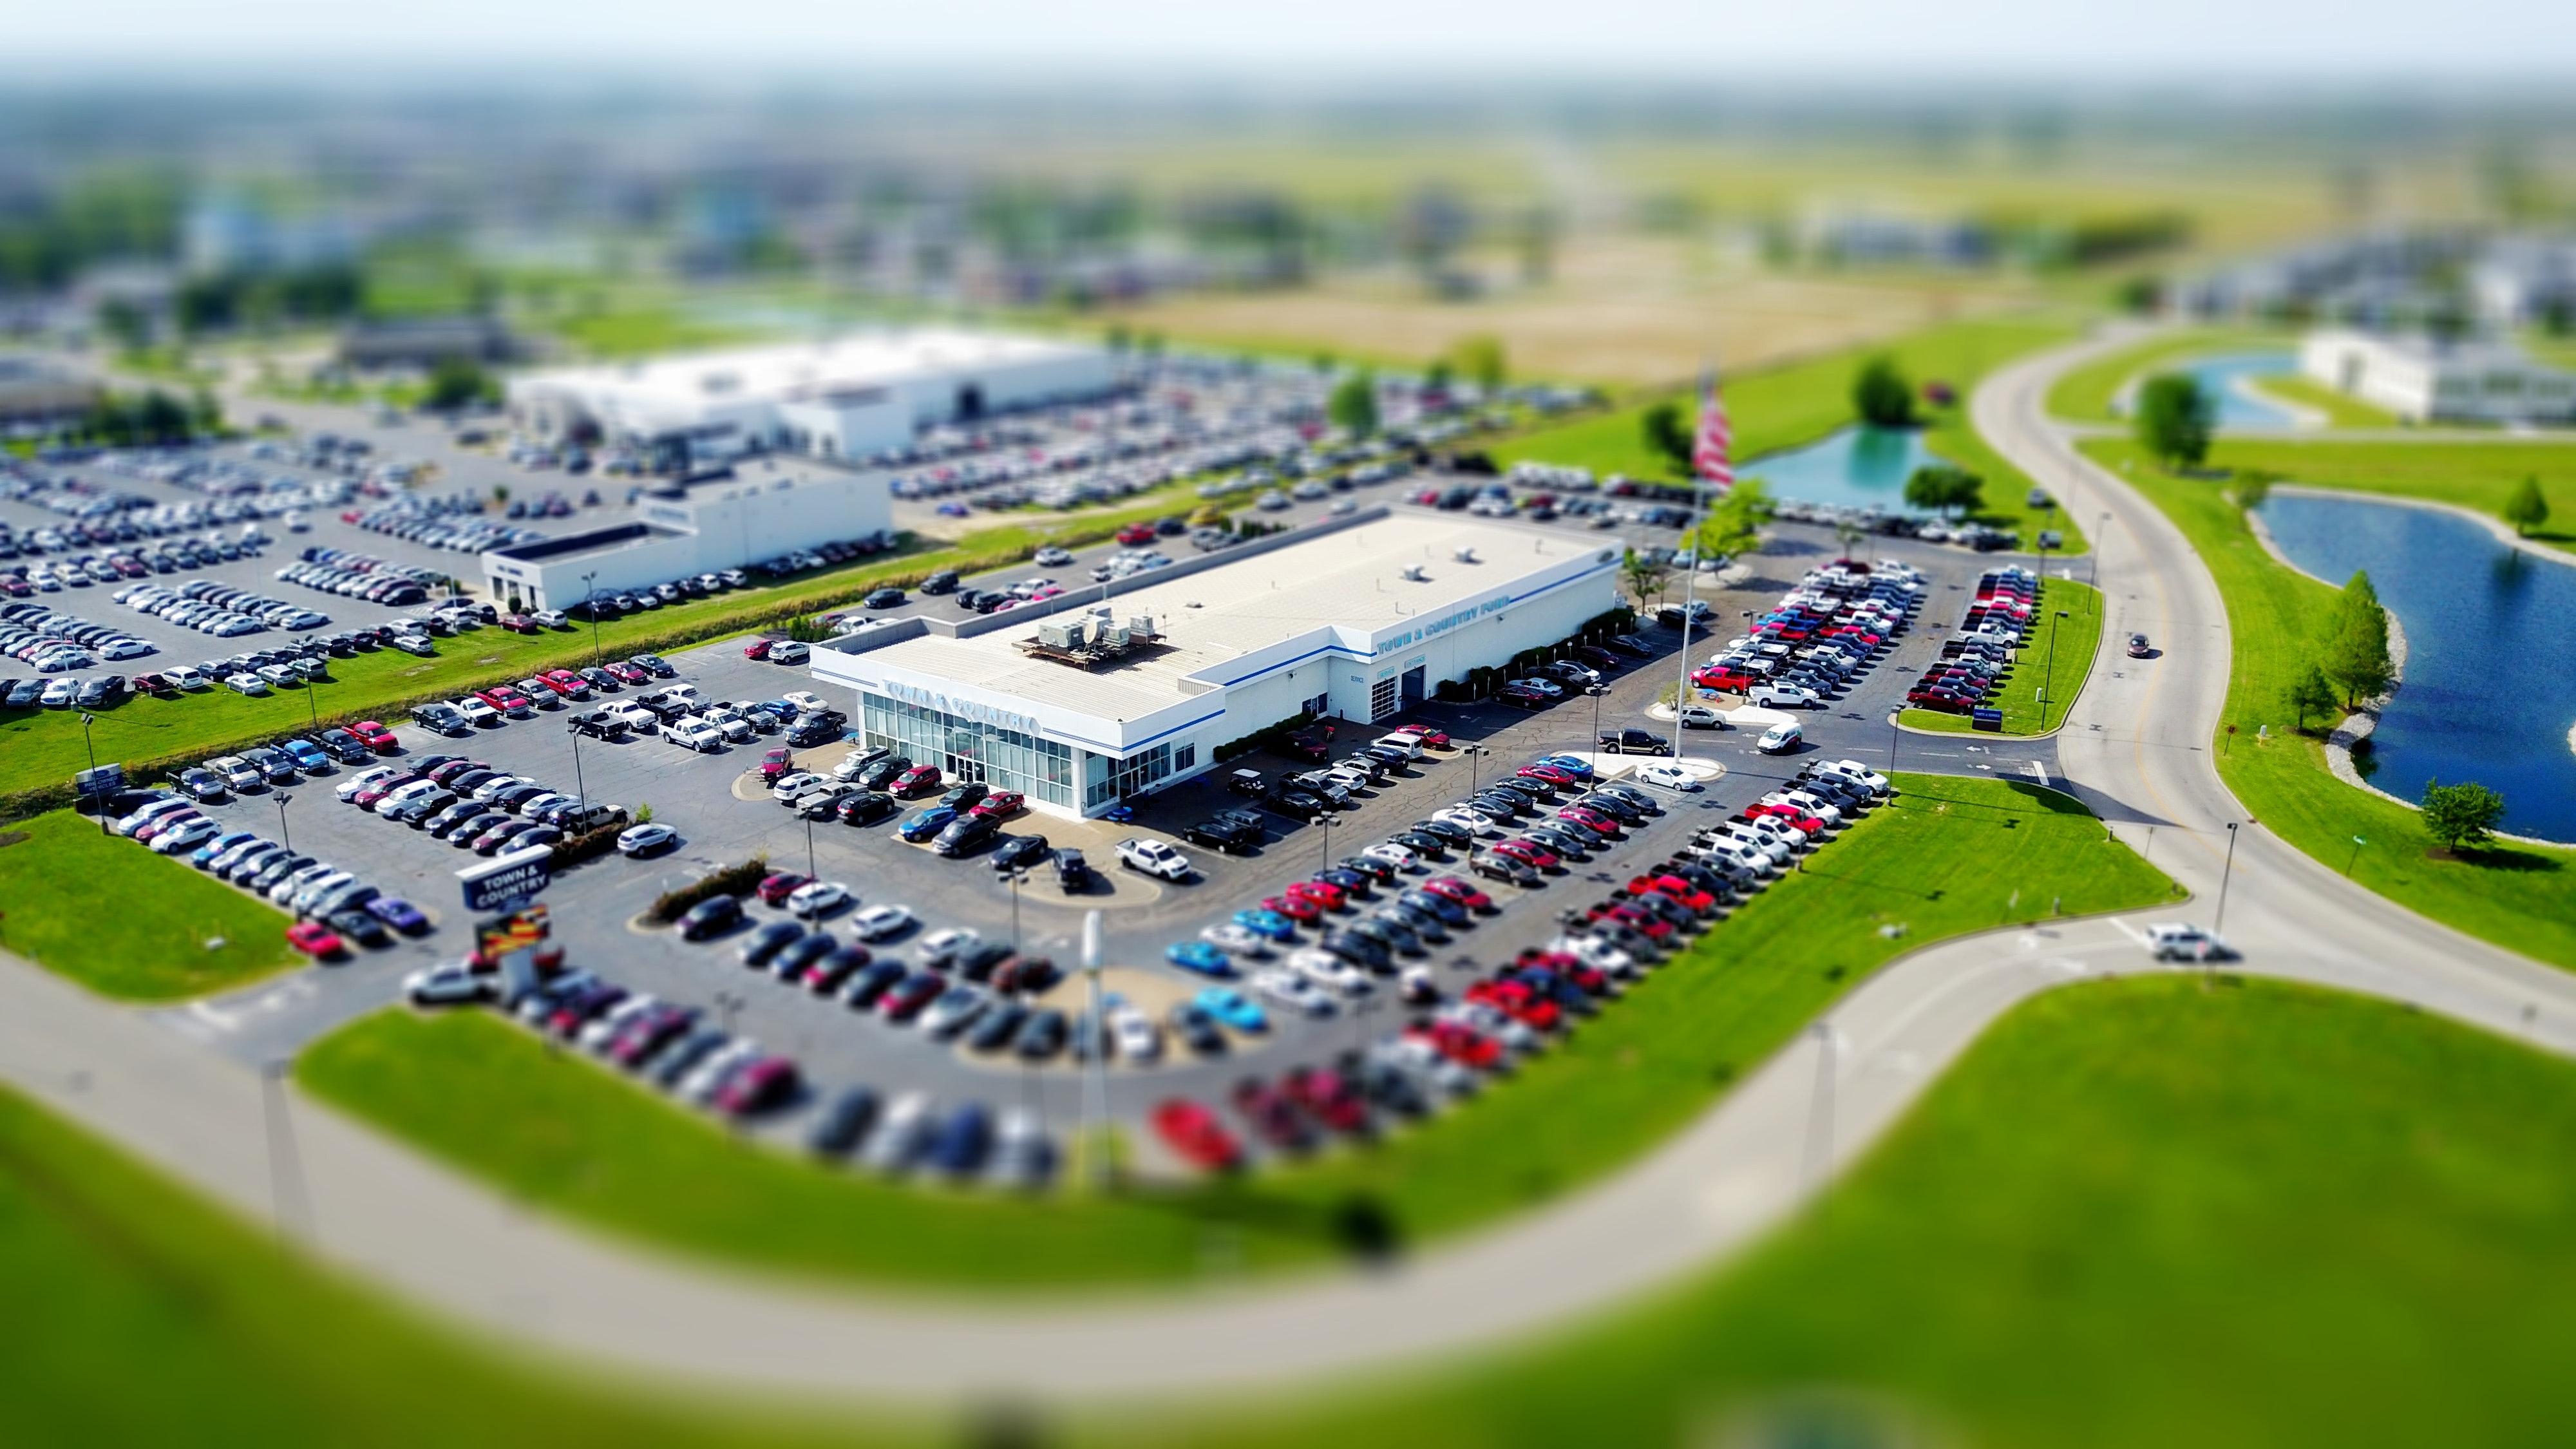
[1413, 680]
[970, 402]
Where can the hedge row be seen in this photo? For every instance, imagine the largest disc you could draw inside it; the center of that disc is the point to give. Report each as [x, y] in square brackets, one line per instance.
[733, 880]
[1485, 679]
[590, 844]
[1266, 735]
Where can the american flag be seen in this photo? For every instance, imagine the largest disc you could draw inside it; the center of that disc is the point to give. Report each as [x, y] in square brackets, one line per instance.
[1712, 450]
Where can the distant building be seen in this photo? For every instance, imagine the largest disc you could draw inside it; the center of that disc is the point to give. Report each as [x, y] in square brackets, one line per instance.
[681, 530]
[2421, 380]
[426, 341]
[852, 398]
[35, 391]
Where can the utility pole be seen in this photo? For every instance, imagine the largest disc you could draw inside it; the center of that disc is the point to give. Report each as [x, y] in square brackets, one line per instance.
[2226, 873]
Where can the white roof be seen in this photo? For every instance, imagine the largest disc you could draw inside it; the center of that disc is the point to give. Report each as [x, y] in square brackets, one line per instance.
[1351, 578]
[792, 370]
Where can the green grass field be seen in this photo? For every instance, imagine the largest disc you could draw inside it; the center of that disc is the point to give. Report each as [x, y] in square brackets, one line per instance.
[2521, 898]
[2085, 394]
[645, 330]
[2474, 473]
[2138, 1213]
[113, 916]
[1948, 856]
[1791, 406]
[2341, 411]
[2076, 639]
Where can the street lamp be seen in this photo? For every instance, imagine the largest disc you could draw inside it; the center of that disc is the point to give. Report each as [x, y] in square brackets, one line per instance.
[88, 719]
[811, 871]
[1013, 879]
[282, 837]
[578, 786]
[2226, 873]
[1598, 690]
[590, 605]
[310, 708]
[1325, 819]
[2048, 683]
[1475, 763]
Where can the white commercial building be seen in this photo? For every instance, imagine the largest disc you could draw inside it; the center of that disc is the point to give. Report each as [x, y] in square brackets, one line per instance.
[2421, 380]
[850, 398]
[680, 530]
[1363, 622]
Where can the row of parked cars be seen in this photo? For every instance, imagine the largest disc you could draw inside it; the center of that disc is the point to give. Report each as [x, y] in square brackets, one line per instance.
[81, 570]
[1585, 668]
[417, 519]
[333, 906]
[222, 610]
[361, 576]
[51, 642]
[472, 806]
[1815, 644]
[1976, 659]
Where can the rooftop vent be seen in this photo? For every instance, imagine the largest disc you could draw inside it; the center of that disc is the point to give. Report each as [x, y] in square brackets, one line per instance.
[1412, 573]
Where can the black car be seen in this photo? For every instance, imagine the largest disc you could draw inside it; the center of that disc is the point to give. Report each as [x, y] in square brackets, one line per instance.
[998, 1025]
[1443, 830]
[1230, 836]
[965, 833]
[1359, 948]
[882, 773]
[1502, 868]
[1421, 844]
[825, 806]
[866, 807]
[1441, 908]
[1349, 882]
[343, 746]
[1043, 1037]
[356, 924]
[1019, 852]
[1634, 742]
[885, 598]
[597, 725]
[807, 733]
[654, 664]
[1370, 866]
[1072, 872]
[979, 962]
[1574, 844]
[1196, 1029]
[802, 952]
[1632, 795]
[843, 1123]
[1299, 804]
[964, 797]
[1617, 807]
[872, 982]
[942, 582]
[773, 937]
[709, 916]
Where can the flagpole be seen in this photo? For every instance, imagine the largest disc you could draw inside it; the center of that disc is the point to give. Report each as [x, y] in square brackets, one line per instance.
[1690, 584]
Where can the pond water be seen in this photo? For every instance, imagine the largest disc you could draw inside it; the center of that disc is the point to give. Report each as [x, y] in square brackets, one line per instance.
[1858, 467]
[2218, 377]
[2490, 687]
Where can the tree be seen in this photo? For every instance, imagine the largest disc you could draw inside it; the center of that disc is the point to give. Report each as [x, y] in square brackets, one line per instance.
[1661, 429]
[454, 383]
[2311, 693]
[1435, 378]
[1945, 487]
[2356, 653]
[1881, 395]
[161, 418]
[2526, 509]
[1480, 361]
[1734, 523]
[2462, 814]
[2174, 419]
[1353, 406]
[205, 415]
[2253, 488]
[1643, 575]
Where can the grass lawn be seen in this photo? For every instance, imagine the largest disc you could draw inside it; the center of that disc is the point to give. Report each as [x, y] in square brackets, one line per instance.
[2341, 410]
[2138, 1213]
[41, 748]
[2522, 898]
[2085, 394]
[115, 917]
[1791, 406]
[2072, 648]
[2474, 473]
[1947, 857]
[642, 331]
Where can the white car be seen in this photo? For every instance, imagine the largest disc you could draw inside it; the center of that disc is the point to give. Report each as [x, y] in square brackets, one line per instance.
[1135, 1035]
[1235, 940]
[250, 684]
[792, 785]
[1780, 739]
[1783, 696]
[700, 1084]
[692, 733]
[1393, 854]
[447, 981]
[1052, 557]
[1701, 717]
[186, 836]
[1155, 858]
[364, 779]
[1475, 822]
[900, 1135]
[1808, 801]
[855, 761]
[878, 922]
[476, 712]
[548, 618]
[645, 838]
[1330, 972]
[1857, 773]
[1670, 777]
[949, 941]
[1548, 687]
[805, 700]
[599, 1031]
[2167, 940]
[818, 898]
[789, 652]
[635, 717]
[1293, 991]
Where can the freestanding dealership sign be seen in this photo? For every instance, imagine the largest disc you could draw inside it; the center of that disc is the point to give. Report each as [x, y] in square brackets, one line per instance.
[509, 880]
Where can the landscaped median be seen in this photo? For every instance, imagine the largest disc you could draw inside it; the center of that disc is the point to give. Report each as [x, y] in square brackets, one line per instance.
[2520, 897]
[120, 920]
[1946, 857]
[2055, 661]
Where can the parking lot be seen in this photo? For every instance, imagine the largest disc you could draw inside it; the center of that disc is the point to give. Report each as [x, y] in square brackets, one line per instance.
[722, 816]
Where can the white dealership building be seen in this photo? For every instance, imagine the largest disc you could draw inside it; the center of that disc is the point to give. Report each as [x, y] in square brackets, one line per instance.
[682, 529]
[850, 398]
[2422, 380]
[1125, 688]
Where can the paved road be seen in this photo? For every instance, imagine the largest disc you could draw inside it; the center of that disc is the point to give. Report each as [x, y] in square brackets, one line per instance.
[2136, 747]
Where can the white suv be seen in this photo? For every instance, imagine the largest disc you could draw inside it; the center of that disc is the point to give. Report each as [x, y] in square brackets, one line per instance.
[1155, 858]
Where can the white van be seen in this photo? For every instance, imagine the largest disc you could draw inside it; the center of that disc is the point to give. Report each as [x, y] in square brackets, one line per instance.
[1408, 742]
[1780, 739]
[187, 676]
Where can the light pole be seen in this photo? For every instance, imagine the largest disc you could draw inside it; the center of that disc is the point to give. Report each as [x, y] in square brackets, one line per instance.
[2101, 534]
[88, 719]
[2357, 844]
[1012, 880]
[311, 709]
[811, 871]
[1475, 764]
[282, 837]
[2048, 682]
[1598, 690]
[2226, 873]
[1325, 819]
[577, 784]
[590, 605]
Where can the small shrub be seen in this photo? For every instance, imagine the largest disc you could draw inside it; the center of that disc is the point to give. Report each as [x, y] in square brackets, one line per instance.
[733, 880]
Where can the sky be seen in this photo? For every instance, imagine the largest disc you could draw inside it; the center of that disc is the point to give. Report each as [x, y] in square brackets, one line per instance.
[1319, 40]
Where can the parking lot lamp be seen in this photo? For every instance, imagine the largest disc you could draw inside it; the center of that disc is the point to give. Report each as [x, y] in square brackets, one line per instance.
[282, 837]
[1598, 690]
[590, 604]
[2048, 681]
[88, 719]
[310, 708]
[1475, 762]
[579, 788]
[1013, 879]
[811, 873]
[2225, 874]
[1326, 820]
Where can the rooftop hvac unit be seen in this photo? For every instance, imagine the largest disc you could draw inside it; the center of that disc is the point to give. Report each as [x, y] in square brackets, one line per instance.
[1113, 637]
[1060, 636]
[1141, 627]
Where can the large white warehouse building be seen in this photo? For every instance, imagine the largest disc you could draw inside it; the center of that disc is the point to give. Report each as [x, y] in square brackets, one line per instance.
[1362, 622]
[2421, 380]
[680, 530]
[849, 398]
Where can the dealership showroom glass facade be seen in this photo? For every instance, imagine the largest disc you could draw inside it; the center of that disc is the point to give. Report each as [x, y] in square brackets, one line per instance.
[968, 749]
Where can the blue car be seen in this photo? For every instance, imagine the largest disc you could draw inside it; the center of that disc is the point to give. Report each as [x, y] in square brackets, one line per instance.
[1198, 956]
[1119, 813]
[926, 823]
[1262, 921]
[1574, 765]
[1232, 1008]
[307, 756]
[400, 914]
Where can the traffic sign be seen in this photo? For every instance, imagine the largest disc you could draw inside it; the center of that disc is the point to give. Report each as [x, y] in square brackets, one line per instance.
[507, 880]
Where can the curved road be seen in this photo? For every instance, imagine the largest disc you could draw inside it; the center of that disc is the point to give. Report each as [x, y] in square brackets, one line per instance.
[2135, 748]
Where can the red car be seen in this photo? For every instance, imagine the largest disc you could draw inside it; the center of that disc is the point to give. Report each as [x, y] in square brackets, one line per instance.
[774, 890]
[1323, 893]
[518, 623]
[1196, 1137]
[1272, 1115]
[757, 649]
[1136, 533]
[315, 940]
[1724, 681]
[909, 996]
[1000, 805]
[375, 736]
[1461, 1044]
[367, 798]
[1804, 823]
[625, 673]
[1436, 739]
[1549, 775]
[1449, 887]
[505, 699]
[565, 683]
[1518, 1002]
[919, 780]
[1673, 887]
[762, 1084]
[1528, 853]
[1590, 819]
[1304, 910]
[1573, 968]
[1633, 918]
[775, 763]
[1327, 1097]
